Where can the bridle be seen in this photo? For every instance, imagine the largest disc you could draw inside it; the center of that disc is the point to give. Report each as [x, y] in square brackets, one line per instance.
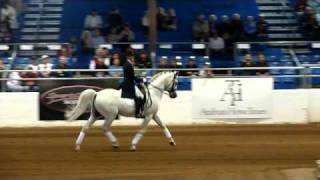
[172, 89]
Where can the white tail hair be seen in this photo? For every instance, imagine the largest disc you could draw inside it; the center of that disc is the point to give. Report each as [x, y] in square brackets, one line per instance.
[85, 101]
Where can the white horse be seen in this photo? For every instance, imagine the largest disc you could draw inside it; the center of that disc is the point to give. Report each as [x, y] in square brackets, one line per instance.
[109, 104]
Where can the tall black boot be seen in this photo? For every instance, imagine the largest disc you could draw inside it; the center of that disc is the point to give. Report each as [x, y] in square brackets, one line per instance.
[138, 104]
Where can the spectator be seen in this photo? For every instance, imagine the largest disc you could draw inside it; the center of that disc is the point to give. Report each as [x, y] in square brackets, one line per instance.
[113, 36]
[213, 24]
[161, 19]
[126, 35]
[250, 28]
[262, 63]
[225, 27]
[144, 61]
[74, 48]
[14, 84]
[93, 20]
[115, 19]
[62, 65]
[237, 28]
[101, 60]
[200, 29]
[8, 13]
[262, 27]
[31, 85]
[86, 42]
[117, 69]
[33, 64]
[206, 72]
[191, 65]
[46, 67]
[163, 64]
[5, 36]
[97, 39]
[2, 67]
[175, 64]
[115, 57]
[145, 22]
[216, 44]
[171, 23]
[247, 63]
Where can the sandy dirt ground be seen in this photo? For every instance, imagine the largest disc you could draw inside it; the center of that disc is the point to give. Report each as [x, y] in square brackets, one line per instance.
[224, 152]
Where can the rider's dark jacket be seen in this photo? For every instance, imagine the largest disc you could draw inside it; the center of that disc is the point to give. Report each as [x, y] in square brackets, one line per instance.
[128, 84]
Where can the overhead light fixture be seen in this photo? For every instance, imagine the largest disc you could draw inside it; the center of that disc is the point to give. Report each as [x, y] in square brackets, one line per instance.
[178, 57]
[164, 57]
[192, 57]
[4, 47]
[54, 47]
[198, 46]
[206, 57]
[26, 47]
[137, 46]
[243, 46]
[166, 46]
[108, 46]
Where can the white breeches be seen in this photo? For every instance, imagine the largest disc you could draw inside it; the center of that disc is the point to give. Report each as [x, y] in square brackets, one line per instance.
[139, 94]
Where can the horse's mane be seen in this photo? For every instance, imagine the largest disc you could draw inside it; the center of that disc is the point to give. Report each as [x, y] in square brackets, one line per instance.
[158, 74]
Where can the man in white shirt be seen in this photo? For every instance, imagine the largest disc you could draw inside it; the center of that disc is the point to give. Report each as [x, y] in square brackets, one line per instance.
[10, 14]
[216, 44]
[93, 20]
[97, 39]
[45, 67]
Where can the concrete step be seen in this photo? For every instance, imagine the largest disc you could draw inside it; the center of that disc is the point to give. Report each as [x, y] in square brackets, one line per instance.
[286, 36]
[45, 9]
[46, 1]
[283, 28]
[52, 3]
[43, 16]
[40, 37]
[37, 53]
[275, 8]
[40, 30]
[281, 21]
[42, 22]
[272, 1]
[269, 15]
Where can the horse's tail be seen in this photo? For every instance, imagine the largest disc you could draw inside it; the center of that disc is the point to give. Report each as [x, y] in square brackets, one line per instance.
[85, 101]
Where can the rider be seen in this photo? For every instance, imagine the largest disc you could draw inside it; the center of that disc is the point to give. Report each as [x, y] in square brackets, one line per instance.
[129, 88]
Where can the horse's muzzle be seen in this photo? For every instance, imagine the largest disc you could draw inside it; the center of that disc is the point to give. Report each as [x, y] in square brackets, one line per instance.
[173, 94]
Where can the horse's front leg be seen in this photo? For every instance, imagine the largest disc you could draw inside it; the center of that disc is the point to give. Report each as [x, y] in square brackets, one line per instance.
[140, 133]
[164, 129]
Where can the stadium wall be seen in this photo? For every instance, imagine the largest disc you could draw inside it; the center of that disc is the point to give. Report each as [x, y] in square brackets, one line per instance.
[289, 106]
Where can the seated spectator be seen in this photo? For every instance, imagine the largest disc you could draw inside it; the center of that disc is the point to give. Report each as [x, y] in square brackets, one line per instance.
[225, 27]
[126, 35]
[31, 85]
[33, 64]
[213, 28]
[262, 27]
[247, 63]
[144, 61]
[97, 38]
[2, 67]
[163, 64]
[117, 69]
[200, 29]
[62, 65]
[216, 45]
[101, 60]
[115, 20]
[206, 72]
[93, 20]
[171, 23]
[74, 47]
[86, 42]
[161, 19]
[237, 27]
[175, 64]
[191, 65]
[250, 28]
[14, 84]
[8, 13]
[262, 63]
[46, 67]
[145, 22]
[113, 36]
[5, 35]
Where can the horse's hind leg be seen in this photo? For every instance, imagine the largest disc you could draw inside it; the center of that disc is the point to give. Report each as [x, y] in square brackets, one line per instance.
[83, 131]
[164, 129]
[108, 133]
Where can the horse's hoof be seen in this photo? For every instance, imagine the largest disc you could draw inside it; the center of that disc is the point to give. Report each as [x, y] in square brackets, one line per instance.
[77, 148]
[115, 145]
[133, 148]
[172, 143]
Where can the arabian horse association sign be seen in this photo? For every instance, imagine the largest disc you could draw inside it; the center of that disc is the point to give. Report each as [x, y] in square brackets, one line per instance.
[232, 98]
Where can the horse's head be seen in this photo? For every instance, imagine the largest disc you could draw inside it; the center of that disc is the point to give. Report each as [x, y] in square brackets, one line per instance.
[171, 86]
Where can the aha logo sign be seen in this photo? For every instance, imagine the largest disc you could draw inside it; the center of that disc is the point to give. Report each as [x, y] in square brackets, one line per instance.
[58, 99]
[233, 91]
